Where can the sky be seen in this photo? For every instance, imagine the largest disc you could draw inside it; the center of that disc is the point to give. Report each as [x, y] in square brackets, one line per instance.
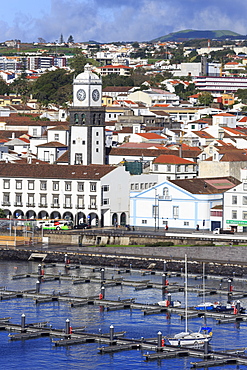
[116, 20]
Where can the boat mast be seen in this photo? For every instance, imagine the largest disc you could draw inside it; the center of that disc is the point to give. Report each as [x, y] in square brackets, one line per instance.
[186, 294]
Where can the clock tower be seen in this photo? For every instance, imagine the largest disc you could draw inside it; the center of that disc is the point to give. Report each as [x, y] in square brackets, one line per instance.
[87, 120]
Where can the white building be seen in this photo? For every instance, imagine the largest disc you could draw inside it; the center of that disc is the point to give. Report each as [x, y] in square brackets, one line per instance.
[97, 194]
[179, 203]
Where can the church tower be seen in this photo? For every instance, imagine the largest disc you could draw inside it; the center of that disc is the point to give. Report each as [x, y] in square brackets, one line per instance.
[87, 120]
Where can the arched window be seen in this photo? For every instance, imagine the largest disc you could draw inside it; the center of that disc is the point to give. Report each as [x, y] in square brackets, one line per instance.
[165, 191]
[94, 119]
[99, 119]
[76, 118]
[83, 119]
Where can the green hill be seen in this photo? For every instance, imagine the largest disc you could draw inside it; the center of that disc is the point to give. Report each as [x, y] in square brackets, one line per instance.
[196, 34]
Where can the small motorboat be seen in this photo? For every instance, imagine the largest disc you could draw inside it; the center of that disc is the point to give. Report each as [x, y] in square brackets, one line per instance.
[219, 307]
[167, 303]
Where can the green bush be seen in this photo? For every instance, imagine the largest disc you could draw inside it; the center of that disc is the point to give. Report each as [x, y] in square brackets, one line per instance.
[160, 244]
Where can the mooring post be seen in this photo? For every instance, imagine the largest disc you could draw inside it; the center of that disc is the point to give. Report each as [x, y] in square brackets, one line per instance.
[102, 292]
[164, 266]
[66, 259]
[67, 326]
[39, 269]
[37, 286]
[163, 280]
[23, 321]
[238, 306]
[159, 340]
[229, 285]
[169, 298]
[206, 343]
[111, 333]
[102, 276]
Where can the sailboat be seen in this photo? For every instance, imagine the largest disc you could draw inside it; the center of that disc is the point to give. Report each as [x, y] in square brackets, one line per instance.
[187, 338]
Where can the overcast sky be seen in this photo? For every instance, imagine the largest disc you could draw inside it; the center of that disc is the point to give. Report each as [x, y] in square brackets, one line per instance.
[116, 20]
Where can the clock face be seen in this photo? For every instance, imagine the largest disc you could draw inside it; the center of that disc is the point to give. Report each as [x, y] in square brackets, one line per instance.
[81, 95]
[95, 94]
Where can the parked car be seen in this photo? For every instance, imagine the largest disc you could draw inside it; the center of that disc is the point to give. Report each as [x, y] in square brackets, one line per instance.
[83, 225]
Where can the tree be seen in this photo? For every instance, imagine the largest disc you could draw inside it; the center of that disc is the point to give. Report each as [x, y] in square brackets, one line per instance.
[70, 39]
[4, 88]
[53, 87]
[2, 214]
[61, 39]
[205, 98]
[77, 63]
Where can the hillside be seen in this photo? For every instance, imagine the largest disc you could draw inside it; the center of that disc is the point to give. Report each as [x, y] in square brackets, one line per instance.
[197, 34]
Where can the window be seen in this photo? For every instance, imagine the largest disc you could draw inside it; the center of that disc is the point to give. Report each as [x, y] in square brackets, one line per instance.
[5, 199]
[175, 211]
[18, 199]
[92, 186]
[80, 186]
[142, 186]
[43, 185]
[30, 185]
[67, 201]
[155, 211]
[30, 200]
[165, 191]
[43, 200]
[35, 132]
[56, 137]
[97, 142]
[178, 168]
[67, 185]
[97, 150]
[146, 185]
[234, 199]
[144, 221]
[234, 215]
[55, 200]
[73, 141]
[55, 185]
[132, 186]
[168, 168]
[245, 186]
[105, 201]
[80, 201]
[6, 184]
[105, 187]
[156, 167]
[83, 142]
[137, 186]
[244, 200]
[18, 184]
[244, 215]
[186, 223]
[186, 168]
[92, 202]
[78, 158]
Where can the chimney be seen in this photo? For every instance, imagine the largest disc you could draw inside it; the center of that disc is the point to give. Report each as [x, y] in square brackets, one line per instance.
[13, 135]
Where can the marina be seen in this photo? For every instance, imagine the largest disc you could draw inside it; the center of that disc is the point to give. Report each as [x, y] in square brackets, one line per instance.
[94, 311]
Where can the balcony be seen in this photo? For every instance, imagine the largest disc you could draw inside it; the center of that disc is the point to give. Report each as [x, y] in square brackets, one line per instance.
[55, 205]
[92, 206]
[18, 204]
[67, 206]
[30, 204]
[43, 205]
[6, 204]
[80, 206]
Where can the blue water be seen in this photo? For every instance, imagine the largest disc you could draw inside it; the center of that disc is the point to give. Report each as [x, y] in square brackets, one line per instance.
[40, 353]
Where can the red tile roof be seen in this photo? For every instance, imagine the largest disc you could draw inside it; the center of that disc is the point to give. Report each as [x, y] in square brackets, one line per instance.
[171, 159]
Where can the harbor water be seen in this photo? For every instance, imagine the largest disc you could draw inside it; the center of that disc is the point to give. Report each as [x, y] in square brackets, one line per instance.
[40, 353]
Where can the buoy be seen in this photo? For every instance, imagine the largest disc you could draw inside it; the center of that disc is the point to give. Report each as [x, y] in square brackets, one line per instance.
[167, 282]
[70, 330]
[162, 342]
[235, 311]
[43, 272]
[100, 296]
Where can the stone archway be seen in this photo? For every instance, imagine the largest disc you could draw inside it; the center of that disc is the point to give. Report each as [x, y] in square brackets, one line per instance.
[80, 218]
[114, 219]
[18, 214]
[55, 215]
[123, 219]
[68, 216]
[93, 219]
[30, 214]
[8, 213]
[43, 215]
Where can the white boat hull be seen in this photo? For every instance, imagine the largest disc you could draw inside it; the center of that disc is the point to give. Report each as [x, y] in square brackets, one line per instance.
[191, 339]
